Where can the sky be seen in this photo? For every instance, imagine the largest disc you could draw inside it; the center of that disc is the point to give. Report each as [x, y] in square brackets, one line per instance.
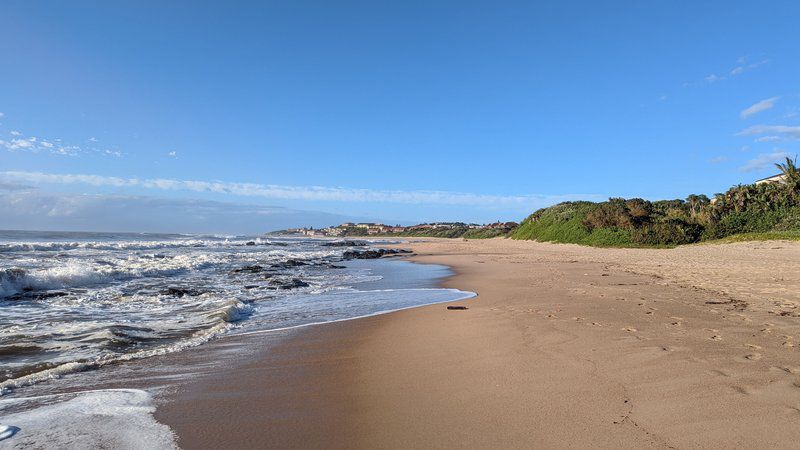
[251, 116]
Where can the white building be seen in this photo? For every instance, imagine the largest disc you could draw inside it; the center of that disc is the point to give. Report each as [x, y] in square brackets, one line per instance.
[773, 179]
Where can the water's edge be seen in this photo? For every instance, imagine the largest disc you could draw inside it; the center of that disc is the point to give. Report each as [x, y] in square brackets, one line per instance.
[144, 385]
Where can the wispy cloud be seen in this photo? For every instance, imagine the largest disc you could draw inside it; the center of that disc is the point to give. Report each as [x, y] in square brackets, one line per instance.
[741, 67]
[172, 154]
[758, 107]
[306, 193]
[763, 161]
[786, 131]
[768, 139]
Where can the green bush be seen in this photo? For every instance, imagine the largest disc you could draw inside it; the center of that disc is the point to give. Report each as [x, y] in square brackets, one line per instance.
[756, 210]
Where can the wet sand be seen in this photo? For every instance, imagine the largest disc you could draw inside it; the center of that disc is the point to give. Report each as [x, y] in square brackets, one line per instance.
[565, 346]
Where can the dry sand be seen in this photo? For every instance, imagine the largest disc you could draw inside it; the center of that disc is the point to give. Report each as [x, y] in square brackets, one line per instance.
[565, 346]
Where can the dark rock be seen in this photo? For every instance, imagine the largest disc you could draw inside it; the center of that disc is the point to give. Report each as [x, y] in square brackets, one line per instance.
[345, 243]
[373, 253]
[294, 283]
[29, 294]
[290, 263]
[180, 292]
[250, 243]
[457, 307]
[248, 269]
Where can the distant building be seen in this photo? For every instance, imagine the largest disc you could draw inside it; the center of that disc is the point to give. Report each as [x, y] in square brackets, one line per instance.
[773, 179]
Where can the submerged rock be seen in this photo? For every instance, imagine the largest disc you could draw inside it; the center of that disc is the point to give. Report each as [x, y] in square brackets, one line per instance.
[290, 263]
[180, 292]
[373, 254]
[294, 283]
[248, 269]
[30, 294]
[345, 243]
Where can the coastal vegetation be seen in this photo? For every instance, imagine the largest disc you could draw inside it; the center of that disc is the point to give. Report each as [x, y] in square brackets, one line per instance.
[754, 211]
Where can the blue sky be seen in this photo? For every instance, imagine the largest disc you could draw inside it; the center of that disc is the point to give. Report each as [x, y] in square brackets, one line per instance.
[401, 112]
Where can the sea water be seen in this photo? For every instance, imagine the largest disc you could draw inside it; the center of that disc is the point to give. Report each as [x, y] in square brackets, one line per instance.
[73, 304]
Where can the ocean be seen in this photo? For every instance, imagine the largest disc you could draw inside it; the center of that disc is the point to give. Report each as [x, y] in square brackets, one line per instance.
[74, 304]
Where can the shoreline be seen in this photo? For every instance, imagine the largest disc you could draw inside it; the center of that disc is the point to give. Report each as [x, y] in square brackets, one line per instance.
[589, 348]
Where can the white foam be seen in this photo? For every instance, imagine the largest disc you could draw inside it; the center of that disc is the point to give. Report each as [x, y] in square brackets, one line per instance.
[112, 418]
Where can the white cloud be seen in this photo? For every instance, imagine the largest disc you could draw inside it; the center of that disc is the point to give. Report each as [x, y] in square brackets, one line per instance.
[788, 131]
[768, 139]
[19, 144]
[173, 154]
[763, 161]
[306, 193]
[758, 107]
[2, 115]
[713, 78]
[34, 144]
[92, 139]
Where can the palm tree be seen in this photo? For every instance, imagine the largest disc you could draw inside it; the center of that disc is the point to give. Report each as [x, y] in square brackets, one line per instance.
[791, 178]
[790, 171]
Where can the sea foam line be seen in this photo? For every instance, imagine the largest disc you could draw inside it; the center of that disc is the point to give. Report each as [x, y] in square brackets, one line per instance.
[467, 295]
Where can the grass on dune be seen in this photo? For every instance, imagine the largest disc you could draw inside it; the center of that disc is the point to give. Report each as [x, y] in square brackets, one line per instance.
[765, 236]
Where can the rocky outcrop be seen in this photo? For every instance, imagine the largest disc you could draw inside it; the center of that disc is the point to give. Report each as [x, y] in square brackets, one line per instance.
[248, 269]
[289, 263]
[294, 283]
[180, 292]
[345, 243]
[373, 253]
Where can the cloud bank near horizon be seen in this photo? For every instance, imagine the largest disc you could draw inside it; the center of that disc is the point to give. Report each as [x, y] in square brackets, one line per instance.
[281, 192]
[26, 208]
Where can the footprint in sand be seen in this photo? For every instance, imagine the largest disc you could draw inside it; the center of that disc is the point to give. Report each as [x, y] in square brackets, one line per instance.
[786, 369]
[716, 337]
[551, 316]
[630, 329]
[752, 356]
[597, 324]
[753, 346]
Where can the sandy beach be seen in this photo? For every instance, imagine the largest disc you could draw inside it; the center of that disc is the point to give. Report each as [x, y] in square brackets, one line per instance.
[564, 346]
